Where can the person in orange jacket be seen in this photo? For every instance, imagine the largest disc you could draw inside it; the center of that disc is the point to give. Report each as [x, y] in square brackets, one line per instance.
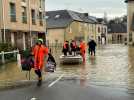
[83, 50]
[39, 52]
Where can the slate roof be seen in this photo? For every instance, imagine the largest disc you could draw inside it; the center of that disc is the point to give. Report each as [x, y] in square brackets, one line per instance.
[74, 15]
[65, 17]
[61, 22]
[94, 19]
[117, 28]
[128, 1]
[85, 18]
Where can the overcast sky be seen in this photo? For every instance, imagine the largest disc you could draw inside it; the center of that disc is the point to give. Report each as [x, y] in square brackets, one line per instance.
[113, 8]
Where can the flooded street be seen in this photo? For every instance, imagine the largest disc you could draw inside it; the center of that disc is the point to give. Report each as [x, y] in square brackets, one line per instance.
[113, 66]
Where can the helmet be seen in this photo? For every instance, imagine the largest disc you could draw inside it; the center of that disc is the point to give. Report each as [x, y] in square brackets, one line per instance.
[40, 40]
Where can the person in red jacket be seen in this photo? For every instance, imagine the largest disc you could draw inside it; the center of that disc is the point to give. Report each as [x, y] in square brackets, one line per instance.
[65, 49]
[39, 52]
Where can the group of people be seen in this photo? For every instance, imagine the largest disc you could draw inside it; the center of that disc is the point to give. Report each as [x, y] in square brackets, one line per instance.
[69, 48]
[73, 48]
[40, 51]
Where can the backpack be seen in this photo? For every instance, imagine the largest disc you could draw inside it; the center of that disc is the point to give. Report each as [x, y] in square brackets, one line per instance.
[26, 60]
[27, 64]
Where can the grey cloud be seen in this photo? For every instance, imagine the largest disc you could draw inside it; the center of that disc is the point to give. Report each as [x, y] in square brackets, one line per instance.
[94, 6]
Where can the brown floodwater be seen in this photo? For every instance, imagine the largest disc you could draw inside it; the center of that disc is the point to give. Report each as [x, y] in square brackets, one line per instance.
[113, 66]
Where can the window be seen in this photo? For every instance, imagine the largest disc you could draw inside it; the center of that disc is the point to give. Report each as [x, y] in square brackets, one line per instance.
[105, 29]
[13, 12]
[98, 29]
[57, 16]
[41, 18]
[24, 15]
[33, 16]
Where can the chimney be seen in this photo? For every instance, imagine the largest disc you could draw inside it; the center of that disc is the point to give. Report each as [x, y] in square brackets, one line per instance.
[86, 14]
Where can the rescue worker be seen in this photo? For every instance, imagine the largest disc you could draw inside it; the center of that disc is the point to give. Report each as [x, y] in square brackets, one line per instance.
[83, 50]
[65, 48]
[73, 47]
[39, 52]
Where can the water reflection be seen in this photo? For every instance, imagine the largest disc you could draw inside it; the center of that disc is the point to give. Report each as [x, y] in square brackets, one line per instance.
[113, 66]
[92, 60]
[83, 75]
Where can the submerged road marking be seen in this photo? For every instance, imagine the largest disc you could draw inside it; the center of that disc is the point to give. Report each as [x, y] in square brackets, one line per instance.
[54, 82]
[33, 98]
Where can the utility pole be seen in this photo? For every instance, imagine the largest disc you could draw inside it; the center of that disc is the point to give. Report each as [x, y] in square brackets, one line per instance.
[29, 13]
[44, 18]
[3, 19]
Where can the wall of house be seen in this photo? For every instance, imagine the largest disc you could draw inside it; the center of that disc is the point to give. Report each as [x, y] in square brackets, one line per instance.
[91, 31]
[101, 29]
[55, 36]
[118, 37]
[18, 24]
[77, 30]
[0, 21]
[85, 31]
[22, 28]
[109, 37]
[130, 12]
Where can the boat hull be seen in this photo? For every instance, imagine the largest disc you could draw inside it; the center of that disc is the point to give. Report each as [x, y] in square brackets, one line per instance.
[70, 59]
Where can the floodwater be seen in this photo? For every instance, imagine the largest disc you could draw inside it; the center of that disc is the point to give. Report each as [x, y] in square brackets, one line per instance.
[113, 66]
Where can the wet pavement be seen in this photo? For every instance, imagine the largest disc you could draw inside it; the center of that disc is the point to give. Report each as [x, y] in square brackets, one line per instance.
[64, 91]
[112, 67]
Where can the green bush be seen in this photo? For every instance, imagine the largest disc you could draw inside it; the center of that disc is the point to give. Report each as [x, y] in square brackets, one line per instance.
[6, 47]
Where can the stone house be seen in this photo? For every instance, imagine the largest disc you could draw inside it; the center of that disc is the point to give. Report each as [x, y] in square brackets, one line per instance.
[22, 22]
[117, 32]
[68, 25]
[130, 24]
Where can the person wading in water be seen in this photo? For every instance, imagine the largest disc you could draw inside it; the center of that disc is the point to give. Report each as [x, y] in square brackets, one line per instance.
[39, 51]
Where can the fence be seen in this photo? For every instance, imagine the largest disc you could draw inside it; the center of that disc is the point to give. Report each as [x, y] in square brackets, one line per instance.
[54, 45]
[8, 56]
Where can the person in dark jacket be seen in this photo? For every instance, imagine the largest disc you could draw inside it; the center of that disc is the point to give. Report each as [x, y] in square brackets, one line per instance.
[51, 58]
[92, 47]
[51, 64]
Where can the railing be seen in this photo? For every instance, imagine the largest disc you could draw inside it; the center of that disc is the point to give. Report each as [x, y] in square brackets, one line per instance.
[8, 56]
[55, 45]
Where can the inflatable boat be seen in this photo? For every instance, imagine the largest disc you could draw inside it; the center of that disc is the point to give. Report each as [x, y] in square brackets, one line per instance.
[70, 59]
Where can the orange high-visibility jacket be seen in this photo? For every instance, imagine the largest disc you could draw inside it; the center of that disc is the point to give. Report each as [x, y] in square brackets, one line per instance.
[82, 47]
[39, 53]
